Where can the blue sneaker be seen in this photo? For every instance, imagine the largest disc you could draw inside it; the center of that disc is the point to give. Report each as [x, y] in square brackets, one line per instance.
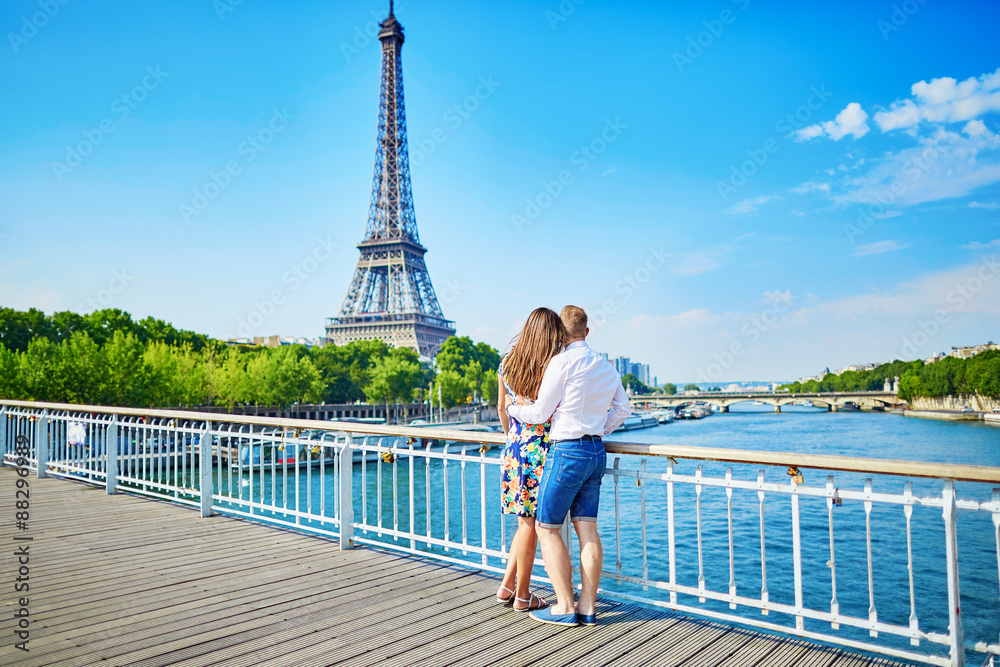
[546, 616]
[587, 619]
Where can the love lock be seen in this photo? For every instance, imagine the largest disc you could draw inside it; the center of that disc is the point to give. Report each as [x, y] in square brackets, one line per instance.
[795, 475]
[484, 448]
[837, 501]
[388, 457]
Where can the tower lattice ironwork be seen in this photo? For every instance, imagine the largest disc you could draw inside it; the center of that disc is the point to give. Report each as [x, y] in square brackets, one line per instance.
[391, 297]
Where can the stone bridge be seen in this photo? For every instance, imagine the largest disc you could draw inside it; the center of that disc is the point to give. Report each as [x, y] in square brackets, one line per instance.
[833, 401]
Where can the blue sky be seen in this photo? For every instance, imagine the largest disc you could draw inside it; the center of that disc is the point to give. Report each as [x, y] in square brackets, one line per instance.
[750, 190]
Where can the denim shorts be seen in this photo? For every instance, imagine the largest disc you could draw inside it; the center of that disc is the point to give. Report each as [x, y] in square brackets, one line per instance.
[571, 481]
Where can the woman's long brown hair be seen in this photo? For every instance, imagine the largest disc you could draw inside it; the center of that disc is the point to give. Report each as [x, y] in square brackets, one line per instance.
[542, 338]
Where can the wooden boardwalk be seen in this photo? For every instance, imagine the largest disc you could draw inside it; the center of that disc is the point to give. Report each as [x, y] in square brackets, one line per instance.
[122, 580]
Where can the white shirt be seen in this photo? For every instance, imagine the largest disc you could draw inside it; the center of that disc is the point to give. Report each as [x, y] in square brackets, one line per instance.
[578, 388]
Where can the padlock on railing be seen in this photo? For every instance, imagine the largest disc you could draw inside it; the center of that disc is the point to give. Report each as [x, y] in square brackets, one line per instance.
[837, 501]
[795, 474]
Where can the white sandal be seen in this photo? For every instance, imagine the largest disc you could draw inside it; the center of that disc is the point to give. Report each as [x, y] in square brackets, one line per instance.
[531, 601]
[507, 601]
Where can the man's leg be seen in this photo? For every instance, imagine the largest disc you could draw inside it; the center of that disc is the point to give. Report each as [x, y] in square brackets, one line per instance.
[558, 567]
[591, 561]
[583, 513]
[561, 480]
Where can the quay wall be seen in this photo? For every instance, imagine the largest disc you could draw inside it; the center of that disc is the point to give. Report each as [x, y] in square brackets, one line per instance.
[975, 401]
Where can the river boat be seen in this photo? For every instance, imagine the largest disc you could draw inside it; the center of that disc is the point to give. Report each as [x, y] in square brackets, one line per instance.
[638, 420]
[664, 416]
[992, 417]
[693, 411]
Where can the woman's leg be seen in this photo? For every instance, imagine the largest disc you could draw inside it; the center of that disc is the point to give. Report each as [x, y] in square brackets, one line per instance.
[525, 555]
[511, 572]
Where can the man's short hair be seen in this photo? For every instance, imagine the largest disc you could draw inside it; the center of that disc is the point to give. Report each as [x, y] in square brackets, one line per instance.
[575, 320]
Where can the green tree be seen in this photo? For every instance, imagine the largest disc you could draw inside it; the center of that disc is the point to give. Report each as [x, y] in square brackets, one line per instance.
[630, 380]
[475, 362]
[177, 376]
[455, 389]
[691, 387]
[103, 324]
[127, 376]
[66, 323]
[152, 329]
[670, 389]
[80, 371]
[37, 363]
[229, 379]
[10, 374]
[455, 353]
[394, 377]
[18, 328]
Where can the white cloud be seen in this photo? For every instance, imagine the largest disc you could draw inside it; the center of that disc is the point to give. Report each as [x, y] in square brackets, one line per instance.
[943, 100]
[878, 248]
[976, 245]
[944, 165]
[809, 132]
[809, 186]
[989, 205]
[850, 121]
[751, 205]
[911, 319]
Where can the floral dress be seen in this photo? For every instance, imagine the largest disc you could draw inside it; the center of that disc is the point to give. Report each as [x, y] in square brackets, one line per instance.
[522, 461]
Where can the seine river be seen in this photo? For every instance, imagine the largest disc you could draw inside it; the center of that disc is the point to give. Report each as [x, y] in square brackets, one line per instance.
[796, 429]
[858, 434]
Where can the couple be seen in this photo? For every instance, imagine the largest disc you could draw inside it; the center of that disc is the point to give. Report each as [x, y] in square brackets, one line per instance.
[554, 399]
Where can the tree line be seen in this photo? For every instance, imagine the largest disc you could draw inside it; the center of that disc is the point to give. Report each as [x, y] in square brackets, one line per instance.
[107, 358]
[948, 377]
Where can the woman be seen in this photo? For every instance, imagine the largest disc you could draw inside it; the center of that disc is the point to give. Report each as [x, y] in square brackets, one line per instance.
[520, 375]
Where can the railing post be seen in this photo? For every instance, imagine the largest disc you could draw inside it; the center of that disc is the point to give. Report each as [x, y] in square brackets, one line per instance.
[42, 443]
[346, 473]
[957, 634]
[111, 458]
[205, 470]
[3, 433]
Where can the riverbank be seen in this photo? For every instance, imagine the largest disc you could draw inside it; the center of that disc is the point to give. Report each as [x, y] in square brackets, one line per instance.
[949, 415]
[976, 402]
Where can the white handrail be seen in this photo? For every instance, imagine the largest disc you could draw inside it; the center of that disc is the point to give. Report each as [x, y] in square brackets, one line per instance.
[953, 471]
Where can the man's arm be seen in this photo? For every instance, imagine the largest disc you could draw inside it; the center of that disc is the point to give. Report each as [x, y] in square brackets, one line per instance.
[620, 410]
[549, 395]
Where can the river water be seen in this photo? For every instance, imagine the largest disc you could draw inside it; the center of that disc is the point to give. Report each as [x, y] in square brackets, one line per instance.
[796, 429]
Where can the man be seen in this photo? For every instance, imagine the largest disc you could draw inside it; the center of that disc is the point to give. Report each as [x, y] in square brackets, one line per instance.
[577, 390]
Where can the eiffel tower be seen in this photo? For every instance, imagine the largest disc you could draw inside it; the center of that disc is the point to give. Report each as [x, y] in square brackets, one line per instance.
[391, 297]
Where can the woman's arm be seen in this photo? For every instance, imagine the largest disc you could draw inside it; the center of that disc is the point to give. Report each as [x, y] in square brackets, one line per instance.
[501, 404]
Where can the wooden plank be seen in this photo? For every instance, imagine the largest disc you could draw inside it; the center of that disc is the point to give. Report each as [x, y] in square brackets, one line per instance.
[722, 649]
[698, 637]
[132, 581]
[566, 648]
[757, 651]
[258, 621]
[218, 647]
[271, 592]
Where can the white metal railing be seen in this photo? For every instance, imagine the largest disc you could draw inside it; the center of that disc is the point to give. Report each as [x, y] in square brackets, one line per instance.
[715, 532]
